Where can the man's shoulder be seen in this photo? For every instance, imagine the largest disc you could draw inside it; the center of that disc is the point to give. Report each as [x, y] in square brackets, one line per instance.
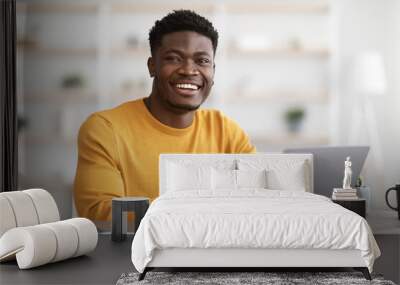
[122, 110]
[112, 119]
[118, 114]
[209, 114]
[215, 116]
[216, 121]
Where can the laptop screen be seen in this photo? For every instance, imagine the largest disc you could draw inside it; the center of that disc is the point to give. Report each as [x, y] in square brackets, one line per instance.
[329, 165]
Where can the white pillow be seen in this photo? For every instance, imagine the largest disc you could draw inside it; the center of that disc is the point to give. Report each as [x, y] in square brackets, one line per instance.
[251, 178]
[235, 179]
[291, 179]
[282, 174]
[223, 179]
[182, 177]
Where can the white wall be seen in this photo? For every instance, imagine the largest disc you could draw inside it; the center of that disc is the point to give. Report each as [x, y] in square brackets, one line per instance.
[357, 25]
[372, 25]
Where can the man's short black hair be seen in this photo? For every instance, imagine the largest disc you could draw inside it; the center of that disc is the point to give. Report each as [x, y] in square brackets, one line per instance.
[182, 20]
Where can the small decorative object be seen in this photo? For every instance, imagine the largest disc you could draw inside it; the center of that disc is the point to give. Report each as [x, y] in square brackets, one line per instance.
[346, 193]
[347, 174]
[294, 44]
[22, 123]
[255, 42]
[294, 118]
[73, 81]
[127, 85]
[132, 42]
[359, 182]
[139, 84]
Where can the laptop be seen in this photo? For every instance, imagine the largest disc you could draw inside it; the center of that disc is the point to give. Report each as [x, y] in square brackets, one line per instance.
[329, 165]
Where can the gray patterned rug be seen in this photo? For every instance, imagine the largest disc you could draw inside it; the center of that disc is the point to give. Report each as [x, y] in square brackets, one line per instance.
[270, 278]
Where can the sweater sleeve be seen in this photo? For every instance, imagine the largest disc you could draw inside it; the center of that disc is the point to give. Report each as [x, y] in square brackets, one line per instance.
[97, 178]
[238, 140]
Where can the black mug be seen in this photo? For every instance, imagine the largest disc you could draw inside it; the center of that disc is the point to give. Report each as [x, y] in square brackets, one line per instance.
[397, 189]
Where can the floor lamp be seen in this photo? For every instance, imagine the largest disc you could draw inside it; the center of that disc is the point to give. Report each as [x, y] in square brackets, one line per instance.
[369, 80]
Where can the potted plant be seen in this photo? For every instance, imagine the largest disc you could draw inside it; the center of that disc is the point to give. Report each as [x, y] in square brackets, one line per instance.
[72, 81]
[294, 118]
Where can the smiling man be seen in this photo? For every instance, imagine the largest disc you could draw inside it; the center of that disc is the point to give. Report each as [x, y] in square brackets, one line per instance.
[119, 148]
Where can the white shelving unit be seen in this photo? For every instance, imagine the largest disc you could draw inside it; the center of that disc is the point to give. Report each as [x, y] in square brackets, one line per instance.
[106, 42]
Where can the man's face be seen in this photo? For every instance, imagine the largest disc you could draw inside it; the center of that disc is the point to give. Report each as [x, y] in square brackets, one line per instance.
[183, 70]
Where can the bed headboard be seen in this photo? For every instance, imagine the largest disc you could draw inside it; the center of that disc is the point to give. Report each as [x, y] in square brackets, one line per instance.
[234, 161]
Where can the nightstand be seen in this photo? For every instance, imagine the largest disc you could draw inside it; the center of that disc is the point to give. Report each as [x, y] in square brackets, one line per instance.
[357, 206]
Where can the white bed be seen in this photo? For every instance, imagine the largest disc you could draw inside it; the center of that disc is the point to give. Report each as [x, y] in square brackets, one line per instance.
[247, 210]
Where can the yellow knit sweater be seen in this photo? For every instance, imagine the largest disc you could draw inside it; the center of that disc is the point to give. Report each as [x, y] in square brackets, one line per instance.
[118, 152]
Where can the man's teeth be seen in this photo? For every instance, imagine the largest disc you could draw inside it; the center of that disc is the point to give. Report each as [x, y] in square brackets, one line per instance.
[187, 86]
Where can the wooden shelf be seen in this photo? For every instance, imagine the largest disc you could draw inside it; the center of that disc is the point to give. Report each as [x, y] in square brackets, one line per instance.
[37, 50]
[79, 96]
[47, 139]
[278, 52]
[126, 51]
[49, 7]
[131, 52]
[138, 8]
[315, 7]
[281, 97]
[319, 7]
[71, 96]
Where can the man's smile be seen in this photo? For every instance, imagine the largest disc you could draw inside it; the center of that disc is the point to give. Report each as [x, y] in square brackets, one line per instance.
[186, 88]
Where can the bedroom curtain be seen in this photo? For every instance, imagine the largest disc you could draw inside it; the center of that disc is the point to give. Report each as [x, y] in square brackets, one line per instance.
[8, 100]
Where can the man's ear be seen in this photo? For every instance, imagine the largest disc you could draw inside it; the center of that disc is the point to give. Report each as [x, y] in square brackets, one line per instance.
[151, 67]
[213, 73]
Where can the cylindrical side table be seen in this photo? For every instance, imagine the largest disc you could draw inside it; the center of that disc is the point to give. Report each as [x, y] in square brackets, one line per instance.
[120, 207]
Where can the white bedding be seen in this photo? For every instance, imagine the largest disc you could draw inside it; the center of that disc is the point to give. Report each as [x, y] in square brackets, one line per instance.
[250, 218]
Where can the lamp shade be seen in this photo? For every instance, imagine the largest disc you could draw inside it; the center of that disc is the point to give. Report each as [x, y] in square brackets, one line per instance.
[369, 73]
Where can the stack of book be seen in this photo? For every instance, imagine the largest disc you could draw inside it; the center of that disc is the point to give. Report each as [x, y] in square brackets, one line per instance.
[344, 194]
